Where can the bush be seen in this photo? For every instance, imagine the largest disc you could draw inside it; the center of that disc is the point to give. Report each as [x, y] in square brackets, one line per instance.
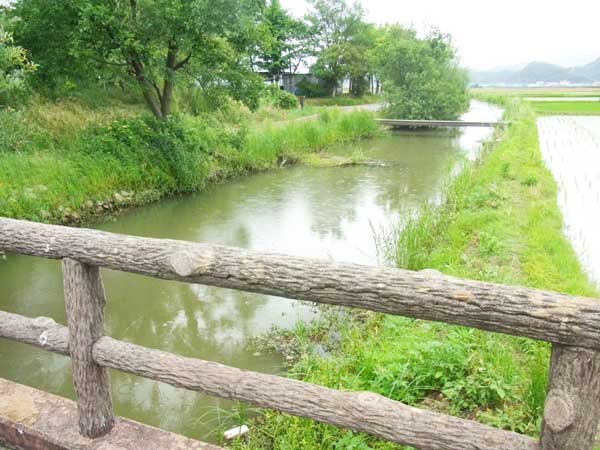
[421, 77]
[15, 69]
[285, 100]
[279, 98]
[174, 152]
[312, 90]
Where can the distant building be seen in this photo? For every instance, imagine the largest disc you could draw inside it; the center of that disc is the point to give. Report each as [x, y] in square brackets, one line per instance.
[289, 81]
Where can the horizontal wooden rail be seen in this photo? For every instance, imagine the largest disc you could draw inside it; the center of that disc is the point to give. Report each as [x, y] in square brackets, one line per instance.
[407, 123]
[361, 411]
[35, 420]
[533, 313]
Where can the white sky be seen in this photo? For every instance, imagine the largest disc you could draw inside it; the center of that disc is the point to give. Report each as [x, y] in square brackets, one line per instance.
[505, 32]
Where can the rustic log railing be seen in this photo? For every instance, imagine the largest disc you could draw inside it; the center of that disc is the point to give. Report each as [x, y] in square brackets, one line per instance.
[571, 324]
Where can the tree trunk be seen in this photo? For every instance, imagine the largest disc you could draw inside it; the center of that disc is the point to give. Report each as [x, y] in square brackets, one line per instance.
[146, 87]
[167, 95]
[151, 101]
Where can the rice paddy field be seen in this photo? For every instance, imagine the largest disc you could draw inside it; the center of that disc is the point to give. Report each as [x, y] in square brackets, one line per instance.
[571, 107]
[540, 92]
[570, 147]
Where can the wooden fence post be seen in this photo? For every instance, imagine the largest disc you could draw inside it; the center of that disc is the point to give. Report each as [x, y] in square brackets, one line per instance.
[572, 407]
[84, 297]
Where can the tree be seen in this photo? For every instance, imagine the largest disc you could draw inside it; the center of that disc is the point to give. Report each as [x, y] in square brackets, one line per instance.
[47, 29]
[15, 68]
[421, 77]
[153, 42]
[285, 41]
[334, 24]
[358, 58]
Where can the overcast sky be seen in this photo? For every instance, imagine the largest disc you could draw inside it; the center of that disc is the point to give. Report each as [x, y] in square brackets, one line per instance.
[506, 32]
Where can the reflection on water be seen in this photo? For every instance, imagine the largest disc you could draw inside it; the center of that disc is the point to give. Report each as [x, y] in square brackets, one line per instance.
[318, 212]
[571, 149]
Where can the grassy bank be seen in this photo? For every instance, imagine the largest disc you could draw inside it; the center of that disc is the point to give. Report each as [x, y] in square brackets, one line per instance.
[69, 161]
[499, 222]
[344, 100]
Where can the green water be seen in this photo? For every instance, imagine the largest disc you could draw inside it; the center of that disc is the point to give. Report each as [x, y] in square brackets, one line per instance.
[319, 212]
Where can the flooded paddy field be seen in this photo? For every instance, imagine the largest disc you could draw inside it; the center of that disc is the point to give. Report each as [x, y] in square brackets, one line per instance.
[570, 147]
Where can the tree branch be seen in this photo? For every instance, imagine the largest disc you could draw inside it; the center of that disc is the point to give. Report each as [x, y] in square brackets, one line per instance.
[183, 62]
[157, 89]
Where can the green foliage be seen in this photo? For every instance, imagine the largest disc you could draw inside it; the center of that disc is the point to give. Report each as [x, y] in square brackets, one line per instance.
[281, 99]
[312, 90]
[75, 161]
[344, 100]
[336, 28]
[286, 41]
[153, 43]
[421, 77]
[177, 150]
[15, 70]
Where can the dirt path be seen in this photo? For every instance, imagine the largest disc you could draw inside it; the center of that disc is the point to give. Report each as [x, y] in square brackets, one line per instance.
[367, 107]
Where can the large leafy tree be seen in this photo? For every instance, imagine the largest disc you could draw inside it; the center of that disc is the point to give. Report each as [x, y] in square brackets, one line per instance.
[421, 76]
[153, 42]
[47, 29]
[358, 58]
[285, 43]
[334, 25]
[156, 40]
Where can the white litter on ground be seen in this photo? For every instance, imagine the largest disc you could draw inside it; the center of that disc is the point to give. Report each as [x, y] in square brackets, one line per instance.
[235, 432]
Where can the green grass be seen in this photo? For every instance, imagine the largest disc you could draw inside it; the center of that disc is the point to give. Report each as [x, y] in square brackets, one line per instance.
[499, 222]
[67, 162]
[344, 100]
[566, 107]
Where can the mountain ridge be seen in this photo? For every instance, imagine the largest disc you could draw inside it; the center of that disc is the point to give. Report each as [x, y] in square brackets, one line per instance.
[539, 72]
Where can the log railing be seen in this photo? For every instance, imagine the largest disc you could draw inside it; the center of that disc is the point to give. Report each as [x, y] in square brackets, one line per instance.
[571, 324]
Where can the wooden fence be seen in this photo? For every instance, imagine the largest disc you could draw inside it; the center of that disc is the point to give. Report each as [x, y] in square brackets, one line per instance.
[571, 324]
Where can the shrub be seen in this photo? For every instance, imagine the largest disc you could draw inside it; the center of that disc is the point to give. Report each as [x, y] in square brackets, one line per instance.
[421, 77]
[285, 100]
[279, 98]
[15, 69]
[310, 89]
[173, 153]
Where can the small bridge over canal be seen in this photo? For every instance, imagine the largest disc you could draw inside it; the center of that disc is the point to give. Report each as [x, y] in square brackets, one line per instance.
[31, 419]
[403, 123]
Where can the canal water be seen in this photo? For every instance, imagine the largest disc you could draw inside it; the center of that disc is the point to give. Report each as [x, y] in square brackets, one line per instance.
[327, 213]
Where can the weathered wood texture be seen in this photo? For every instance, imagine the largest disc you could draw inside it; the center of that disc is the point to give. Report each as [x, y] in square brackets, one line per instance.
[533, 313]
[35, 420]
[572, 408]
[41, 332]
[363, 411]
[84, 298]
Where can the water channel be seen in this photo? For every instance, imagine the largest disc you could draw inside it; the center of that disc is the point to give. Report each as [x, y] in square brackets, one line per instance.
[319, 212]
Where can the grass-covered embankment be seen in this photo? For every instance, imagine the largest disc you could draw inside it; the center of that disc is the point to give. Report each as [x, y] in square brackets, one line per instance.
[499, 222]
[578, 108]
[68, 161]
